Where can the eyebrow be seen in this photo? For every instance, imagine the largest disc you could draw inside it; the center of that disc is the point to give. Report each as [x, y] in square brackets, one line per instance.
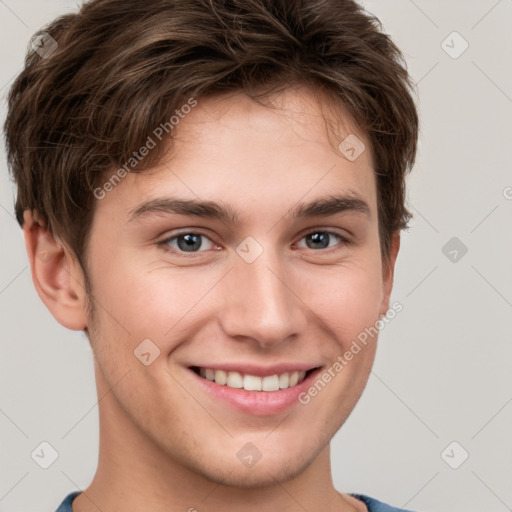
[325, 206]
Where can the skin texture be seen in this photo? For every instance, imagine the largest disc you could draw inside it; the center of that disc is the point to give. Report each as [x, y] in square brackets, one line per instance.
[164, 443]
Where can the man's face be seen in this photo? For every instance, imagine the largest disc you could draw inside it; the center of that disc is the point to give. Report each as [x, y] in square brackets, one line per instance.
[266, 293]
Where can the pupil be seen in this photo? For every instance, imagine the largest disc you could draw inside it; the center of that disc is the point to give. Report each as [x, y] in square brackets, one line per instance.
[191, 242]
[321, 238]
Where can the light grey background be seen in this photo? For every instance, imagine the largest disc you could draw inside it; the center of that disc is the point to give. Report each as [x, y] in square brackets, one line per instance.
[443, 367]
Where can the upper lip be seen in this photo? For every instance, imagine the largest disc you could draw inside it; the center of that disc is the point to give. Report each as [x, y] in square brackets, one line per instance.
[258, 370]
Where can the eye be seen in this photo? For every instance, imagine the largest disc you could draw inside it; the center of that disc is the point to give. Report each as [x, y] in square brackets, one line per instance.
[187, 242]
[323, 239]
[190, 242]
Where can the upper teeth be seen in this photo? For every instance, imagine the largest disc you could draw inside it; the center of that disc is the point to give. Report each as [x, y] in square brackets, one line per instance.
[253, 382]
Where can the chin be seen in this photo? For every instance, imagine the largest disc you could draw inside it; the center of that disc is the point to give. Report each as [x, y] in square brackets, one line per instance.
[259, 476]
[278, 465]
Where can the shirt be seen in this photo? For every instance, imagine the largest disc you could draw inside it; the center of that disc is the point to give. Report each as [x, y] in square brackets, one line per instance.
[372, 504]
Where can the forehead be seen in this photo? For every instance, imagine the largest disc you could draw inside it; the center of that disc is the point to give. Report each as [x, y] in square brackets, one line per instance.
[249, 154]
[292, 117]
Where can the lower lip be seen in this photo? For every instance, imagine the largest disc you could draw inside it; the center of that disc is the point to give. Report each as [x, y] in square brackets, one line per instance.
[258, 403]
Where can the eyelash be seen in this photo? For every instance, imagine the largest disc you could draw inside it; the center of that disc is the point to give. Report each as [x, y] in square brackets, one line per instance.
[164, 244]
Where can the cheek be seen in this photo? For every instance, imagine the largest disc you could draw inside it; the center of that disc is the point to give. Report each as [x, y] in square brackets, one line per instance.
[347, 299]
[156, 303]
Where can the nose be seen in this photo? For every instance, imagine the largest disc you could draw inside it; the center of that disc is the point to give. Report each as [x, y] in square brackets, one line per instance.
[260, 301]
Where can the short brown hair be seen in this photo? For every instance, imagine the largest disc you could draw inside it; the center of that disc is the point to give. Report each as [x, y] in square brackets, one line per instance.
[121, 68]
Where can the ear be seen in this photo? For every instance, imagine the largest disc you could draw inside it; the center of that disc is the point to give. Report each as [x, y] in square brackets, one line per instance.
[388, 272]
[57, 275]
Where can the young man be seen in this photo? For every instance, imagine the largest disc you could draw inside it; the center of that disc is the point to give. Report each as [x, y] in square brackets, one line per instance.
[214, 192]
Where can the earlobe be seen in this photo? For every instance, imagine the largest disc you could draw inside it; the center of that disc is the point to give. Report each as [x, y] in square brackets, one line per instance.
[56, 274]
[388, 272]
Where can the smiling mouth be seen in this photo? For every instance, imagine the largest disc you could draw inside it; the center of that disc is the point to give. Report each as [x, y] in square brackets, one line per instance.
[237, 380]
